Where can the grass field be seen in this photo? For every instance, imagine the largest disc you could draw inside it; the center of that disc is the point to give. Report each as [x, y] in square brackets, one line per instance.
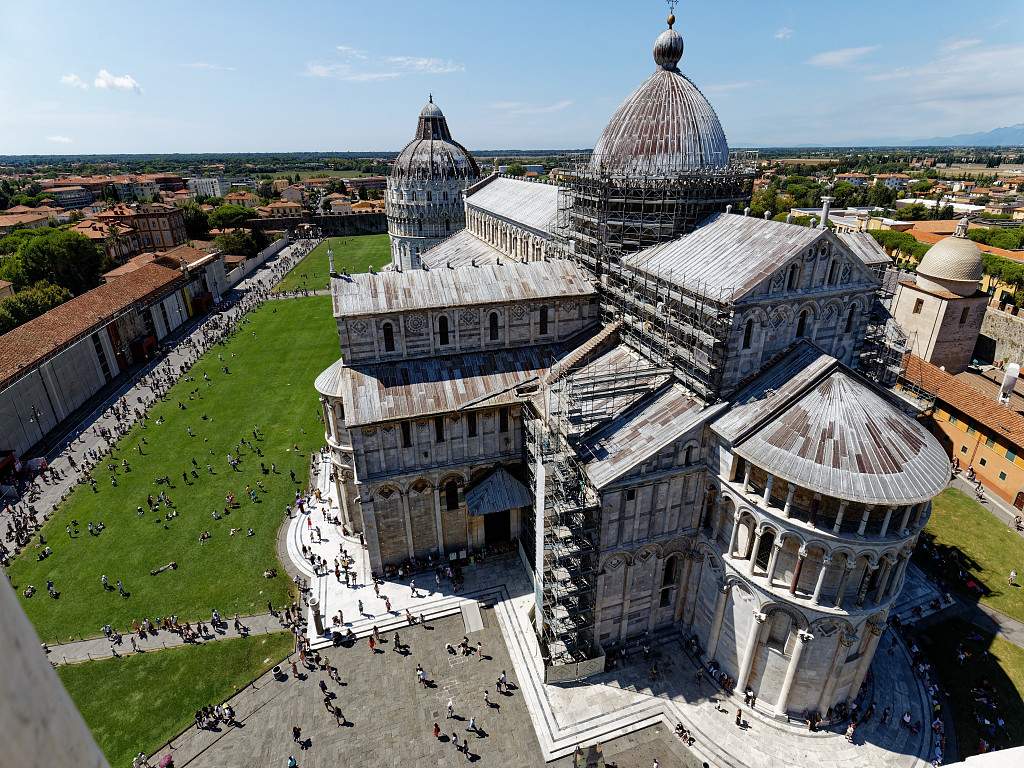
[135, 703]
[988, 548]
[272, 361]
[991, 660]
[352, 254]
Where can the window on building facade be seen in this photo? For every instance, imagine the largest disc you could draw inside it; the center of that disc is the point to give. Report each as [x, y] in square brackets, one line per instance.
[989, 442]
[832, 269]
[801, 324]
[748, 332]
[406, 435]
[543, 321]
[1002, 475]
[389, 337]
[630, 494]
[439, 429]
[688, 455]
[442, 329]
[963, 449]
[850, 317]
[964, 314]
[471, 424]
[503, 420]
[492, 326]
[983, 462]
[451, 495]
[1010, 454]
[918, 306]
[794, 277]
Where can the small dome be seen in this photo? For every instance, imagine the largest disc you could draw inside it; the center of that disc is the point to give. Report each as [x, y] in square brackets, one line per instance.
[665, 127]
[433, 153]
[954, 263]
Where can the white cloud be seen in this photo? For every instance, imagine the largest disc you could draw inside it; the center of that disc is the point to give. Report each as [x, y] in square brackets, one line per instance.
[783, 33]
[959, 45]
[74, 81]
[59, 139]
[729, 87]
[352, 53]
[842, 57]
[345, 72]
[426, 65]
[210, 67]
[526, 108]
[107, 81]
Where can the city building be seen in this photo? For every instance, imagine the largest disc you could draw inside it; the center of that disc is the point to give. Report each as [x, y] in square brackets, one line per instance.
[280, 208]
[359, 185]
[893, 180]
[6, 289]
[857, 179]
[70, 197]
[12, 221]
[338, 203]
[53, 364]
[426, 188]
[941, 308]
[296, 193]
[243, 198]
[204, 268]
[654, 398]
[215, 186]
[119, 241]
[159, 226]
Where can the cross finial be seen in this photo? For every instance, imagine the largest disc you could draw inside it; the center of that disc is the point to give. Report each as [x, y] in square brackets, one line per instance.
[672, 12]
[430, 98]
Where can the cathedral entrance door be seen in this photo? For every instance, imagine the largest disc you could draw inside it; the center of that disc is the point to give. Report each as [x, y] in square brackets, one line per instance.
[497, 527]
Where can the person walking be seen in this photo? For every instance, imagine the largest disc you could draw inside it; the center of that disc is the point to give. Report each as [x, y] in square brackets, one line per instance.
[437, 731]
[739, 717]
[450, 709]
[372, 644]
[296, 733]
[1013, 577]
[472, 724]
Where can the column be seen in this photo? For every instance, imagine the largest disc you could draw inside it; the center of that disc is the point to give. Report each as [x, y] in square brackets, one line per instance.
[864, 519]
[746, 477]
[773, 561]
[408, 525]
[863, 591]
[787, 510]
[897, 580]
[685, 587]
[802, 639]
[753, 553]
[437, 521]
[846, 642]
[692, 588]
[768, 490]
[801, 555]
[883, 580]
[906, 519]
[627, 587]
[839, 517]
[716, 519]
[875, 633]
[753, 640]
[885, 522]
[716, 621]
[735, 534]
[851, 565]
[826, 561]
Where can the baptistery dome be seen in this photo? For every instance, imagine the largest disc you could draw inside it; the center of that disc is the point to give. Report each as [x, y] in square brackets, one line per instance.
[433, 153]
[666, 126]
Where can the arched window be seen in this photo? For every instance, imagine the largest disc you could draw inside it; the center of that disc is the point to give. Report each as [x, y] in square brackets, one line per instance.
[492, 323]
[447, 226]
[389, 337]
[442, 329]
[430, 196]
[794, 277]
[669, 580]
[543, 321]
[748, 333]
[688, 455]
[850, 317]
[451, 495]
[832, 270]
[801, 324]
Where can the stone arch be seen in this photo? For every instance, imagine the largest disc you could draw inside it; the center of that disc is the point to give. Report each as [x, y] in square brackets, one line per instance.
[806, 315]
[819, 627]
[615, 560]
[419, 485]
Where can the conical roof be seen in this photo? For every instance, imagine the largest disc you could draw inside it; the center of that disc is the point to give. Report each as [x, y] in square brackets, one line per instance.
[433, 153]
[665, 127]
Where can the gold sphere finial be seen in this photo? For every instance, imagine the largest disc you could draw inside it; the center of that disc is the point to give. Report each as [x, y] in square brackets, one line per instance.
[671, 20]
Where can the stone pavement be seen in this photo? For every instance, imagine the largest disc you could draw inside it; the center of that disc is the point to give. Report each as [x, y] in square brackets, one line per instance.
[391, 716]
[101, 648]
[80, 437]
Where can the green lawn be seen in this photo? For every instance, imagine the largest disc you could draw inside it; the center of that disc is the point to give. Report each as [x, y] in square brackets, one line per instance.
[136, 703]
[988, 549]
[352, 254]
[272, 360]
[993, 662]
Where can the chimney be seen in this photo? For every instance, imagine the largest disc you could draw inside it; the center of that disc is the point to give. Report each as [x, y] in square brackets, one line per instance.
[767, 215]
[826, 205]
[1009, 382]
[789, 217]
[728, 208]
[746, 211]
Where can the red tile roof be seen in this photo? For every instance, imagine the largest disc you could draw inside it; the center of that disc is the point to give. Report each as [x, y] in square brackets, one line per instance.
[38, 340]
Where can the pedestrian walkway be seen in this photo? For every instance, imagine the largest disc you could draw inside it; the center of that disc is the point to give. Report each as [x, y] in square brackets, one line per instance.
[101, 648]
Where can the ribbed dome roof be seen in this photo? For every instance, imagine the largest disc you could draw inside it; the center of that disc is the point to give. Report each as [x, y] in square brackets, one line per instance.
[953, 258]
[433, 153]
[665, 127]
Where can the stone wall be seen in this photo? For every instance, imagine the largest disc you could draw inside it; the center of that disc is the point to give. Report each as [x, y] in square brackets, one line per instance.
[1002, 337]
[332, 225]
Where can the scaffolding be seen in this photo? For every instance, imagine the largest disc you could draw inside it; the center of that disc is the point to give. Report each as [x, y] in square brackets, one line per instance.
[883, 352]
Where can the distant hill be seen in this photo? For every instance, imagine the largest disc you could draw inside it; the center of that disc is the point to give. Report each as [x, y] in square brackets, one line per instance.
[1009, 136]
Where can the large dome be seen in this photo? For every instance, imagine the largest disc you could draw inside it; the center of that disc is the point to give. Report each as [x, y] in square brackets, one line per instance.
[953, 263]
[433, 153]
[665, 127]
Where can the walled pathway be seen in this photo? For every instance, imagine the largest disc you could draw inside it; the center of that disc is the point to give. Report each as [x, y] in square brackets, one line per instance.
[101, 648]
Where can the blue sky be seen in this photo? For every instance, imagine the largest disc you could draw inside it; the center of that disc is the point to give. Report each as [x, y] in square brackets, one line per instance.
[221, 75]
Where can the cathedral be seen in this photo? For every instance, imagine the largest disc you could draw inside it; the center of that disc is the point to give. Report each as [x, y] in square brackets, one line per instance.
[657, 400]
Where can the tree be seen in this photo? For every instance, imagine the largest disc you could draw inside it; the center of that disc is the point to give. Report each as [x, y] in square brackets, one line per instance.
[197, 222]
[265, 190]
[246, 244]
[229, 216]
[880, 196]
[65, 258]
[30, 303]
[515, 169]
